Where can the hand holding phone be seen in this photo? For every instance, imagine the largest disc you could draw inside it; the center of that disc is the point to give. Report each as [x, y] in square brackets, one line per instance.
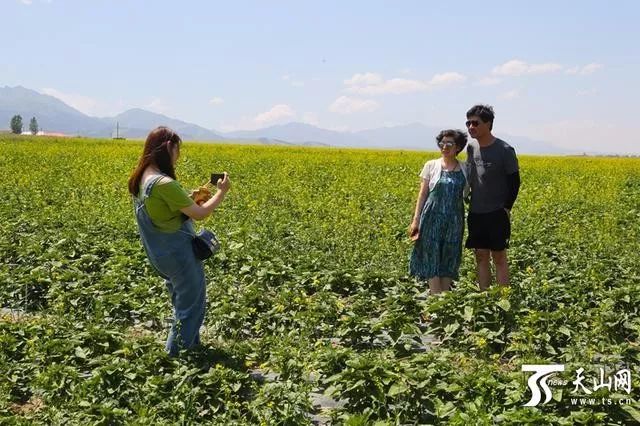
[215, 177]
[221, 181]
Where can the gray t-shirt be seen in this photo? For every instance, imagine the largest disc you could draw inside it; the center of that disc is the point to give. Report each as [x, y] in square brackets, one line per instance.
[488, 169]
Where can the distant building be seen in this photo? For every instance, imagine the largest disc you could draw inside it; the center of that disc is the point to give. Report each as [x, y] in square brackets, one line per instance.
[43, 133]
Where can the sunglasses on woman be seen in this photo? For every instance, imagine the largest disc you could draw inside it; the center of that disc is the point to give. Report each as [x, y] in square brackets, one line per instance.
[446, 144]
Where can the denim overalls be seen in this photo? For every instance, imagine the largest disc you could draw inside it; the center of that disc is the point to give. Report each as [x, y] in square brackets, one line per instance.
[171, 255]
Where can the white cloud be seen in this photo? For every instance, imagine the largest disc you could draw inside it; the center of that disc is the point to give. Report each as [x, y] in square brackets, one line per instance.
[244, 123]
[446, 79]
[584, 70]
[511, 94]
[365, 79]
[591, 68]
[347, 105]
[27, 2]
[277, 112]
[391, 123]
[517, 67]
[224, 127]
[82, 103]
[216, 101]
[394, 86]
[374, 84]
[91, 106]
[587, 135]
[488, 81]
[339, 128]
[291, 79]
[158, 105]
[310, 118]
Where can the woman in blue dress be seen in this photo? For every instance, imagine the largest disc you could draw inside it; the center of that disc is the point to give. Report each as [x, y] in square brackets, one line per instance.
[438, 222]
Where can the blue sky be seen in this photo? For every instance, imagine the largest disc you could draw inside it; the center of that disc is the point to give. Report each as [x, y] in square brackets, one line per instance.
[565, 72]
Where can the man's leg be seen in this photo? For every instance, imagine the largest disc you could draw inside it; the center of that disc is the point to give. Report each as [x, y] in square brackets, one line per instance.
[502, 266]
[483, 268]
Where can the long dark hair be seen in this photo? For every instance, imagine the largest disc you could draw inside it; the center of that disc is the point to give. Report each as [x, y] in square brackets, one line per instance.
[157, 152]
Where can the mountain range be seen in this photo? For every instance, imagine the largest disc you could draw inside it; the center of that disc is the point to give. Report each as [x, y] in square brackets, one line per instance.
[53, 115]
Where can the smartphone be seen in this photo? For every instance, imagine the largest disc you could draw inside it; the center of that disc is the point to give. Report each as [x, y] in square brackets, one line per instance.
[215, 177]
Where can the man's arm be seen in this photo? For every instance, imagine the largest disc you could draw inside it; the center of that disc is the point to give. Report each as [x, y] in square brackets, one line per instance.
[512, 170]
[513, 186]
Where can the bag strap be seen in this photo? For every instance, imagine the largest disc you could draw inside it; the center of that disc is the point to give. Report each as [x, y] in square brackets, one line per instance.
[188, 233]
[148, 186]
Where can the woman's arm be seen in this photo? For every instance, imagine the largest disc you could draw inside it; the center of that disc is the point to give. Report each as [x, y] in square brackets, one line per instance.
[422, 198]
[196, 212]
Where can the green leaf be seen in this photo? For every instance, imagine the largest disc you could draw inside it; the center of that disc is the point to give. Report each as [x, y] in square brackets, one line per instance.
[397, 388]
[564, 330]
[550, 349]
[557, 396]
[333, 378]
[331, 390]
[451, 328]
[632, 412]
[80, 353]
[504, 304]
[356, 385]
[468, 313]
[445, 410]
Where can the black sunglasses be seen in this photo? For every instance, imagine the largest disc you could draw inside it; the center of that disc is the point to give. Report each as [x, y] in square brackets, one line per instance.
[474, 123]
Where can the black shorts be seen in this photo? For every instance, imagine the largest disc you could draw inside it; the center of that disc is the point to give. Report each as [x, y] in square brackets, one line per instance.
[488, 230]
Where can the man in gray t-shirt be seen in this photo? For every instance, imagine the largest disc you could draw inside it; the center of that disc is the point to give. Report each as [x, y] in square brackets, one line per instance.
[494, 179]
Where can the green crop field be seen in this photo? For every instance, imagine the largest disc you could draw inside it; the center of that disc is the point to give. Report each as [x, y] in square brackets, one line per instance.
[309, 294]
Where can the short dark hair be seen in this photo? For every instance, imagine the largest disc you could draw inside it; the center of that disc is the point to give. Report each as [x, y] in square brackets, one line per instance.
[459, 137]
[485, 112]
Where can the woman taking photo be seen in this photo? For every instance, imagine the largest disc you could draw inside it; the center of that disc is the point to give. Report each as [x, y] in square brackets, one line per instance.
[165, 213]
[438, 221]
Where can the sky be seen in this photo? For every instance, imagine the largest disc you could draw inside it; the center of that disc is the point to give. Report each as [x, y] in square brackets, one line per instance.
[564, 72]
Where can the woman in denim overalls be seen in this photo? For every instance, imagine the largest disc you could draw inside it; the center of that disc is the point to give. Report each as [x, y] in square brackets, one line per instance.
[167, 237]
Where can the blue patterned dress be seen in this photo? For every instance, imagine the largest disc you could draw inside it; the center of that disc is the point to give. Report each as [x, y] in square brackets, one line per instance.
[438, 250]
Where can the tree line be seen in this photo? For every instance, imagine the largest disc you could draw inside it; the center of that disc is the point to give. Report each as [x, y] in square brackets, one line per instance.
[16, 125]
